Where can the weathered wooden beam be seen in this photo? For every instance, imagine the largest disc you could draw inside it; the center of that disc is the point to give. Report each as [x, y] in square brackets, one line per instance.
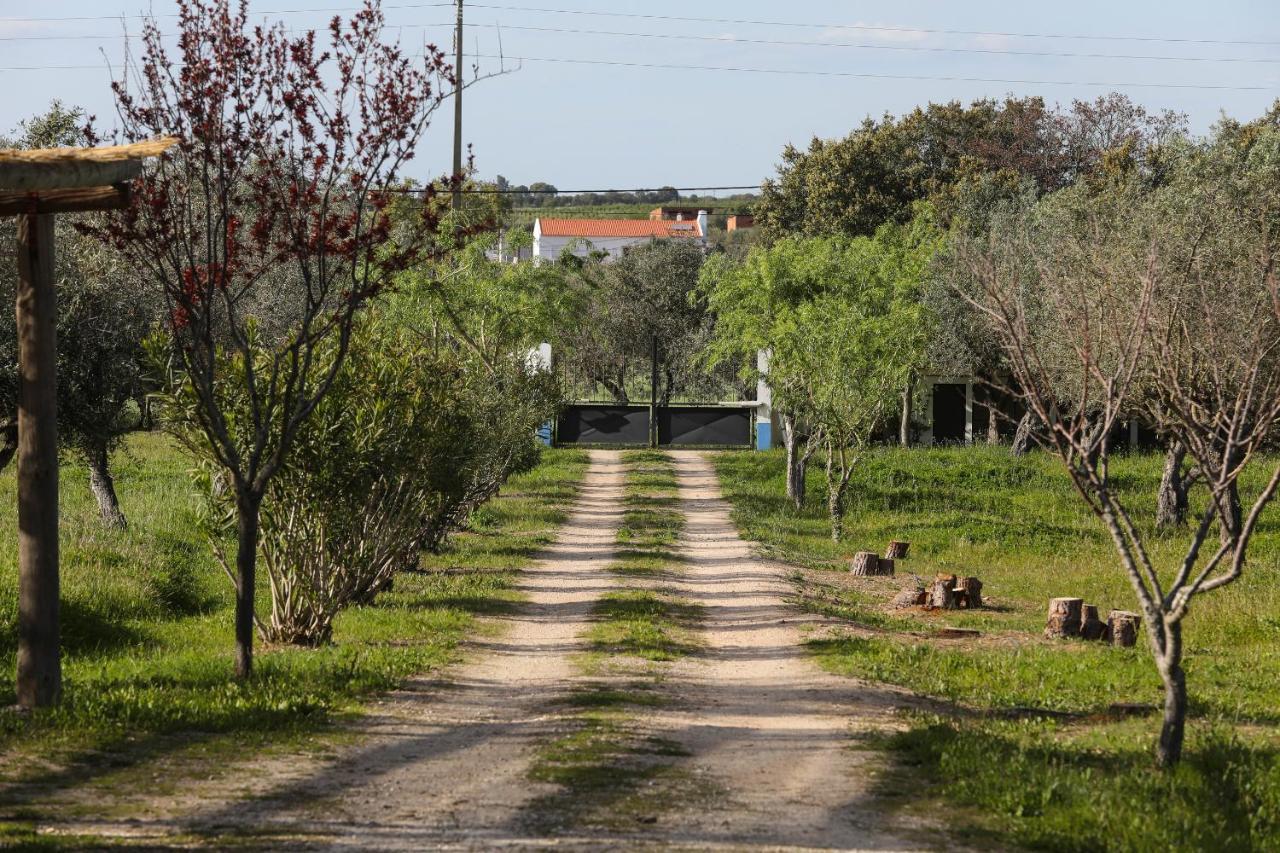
[67, 168]
[64, 201]
[39, 676]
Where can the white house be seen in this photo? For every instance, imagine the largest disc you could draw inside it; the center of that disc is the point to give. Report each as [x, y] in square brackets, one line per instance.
[613, 236]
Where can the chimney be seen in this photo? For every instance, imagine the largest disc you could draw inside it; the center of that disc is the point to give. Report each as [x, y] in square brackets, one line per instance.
[702, 223]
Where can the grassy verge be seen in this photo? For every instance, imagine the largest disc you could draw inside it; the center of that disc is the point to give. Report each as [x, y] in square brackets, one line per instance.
[148, 627]
[612, 772]
[1082, 781]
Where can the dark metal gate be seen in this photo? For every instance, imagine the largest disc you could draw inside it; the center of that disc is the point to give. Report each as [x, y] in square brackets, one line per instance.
[725, 425]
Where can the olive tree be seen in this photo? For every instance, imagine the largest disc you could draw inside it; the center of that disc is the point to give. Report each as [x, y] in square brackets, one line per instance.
[104, 313]
[1109, 301]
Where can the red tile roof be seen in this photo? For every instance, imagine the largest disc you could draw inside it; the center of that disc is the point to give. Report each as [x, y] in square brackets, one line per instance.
[589, 228]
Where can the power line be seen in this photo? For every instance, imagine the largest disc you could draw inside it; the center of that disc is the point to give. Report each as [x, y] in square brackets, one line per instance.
[879, 76]
[758, 41]
[863, 75]
[693, 19]
[866, 27]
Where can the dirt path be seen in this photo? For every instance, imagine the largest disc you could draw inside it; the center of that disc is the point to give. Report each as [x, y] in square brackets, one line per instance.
[763, 723]
[443, 763]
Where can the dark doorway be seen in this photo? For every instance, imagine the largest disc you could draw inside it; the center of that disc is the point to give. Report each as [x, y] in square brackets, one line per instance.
[948, 413]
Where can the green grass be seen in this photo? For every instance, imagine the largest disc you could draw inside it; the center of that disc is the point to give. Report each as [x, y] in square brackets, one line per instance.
[610, 772]
[148, 628]
[1084, 783]
[643, 620]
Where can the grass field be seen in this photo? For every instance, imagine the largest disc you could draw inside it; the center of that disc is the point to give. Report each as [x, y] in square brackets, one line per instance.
[147, 618]
[1031, 744]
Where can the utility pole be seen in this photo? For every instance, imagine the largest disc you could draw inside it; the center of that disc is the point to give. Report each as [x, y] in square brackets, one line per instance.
[457, 114]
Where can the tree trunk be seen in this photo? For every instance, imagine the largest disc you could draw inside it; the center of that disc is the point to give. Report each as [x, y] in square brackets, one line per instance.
[968, 593]
[1064, 617]
[1229, 515]
[247, 519]
[1022, 436]
[1169, 749]
[1122, 628]
[835, 508]
[1171, 500]
[904, 425]
[941, 593]
[865, 564]
[993, 419]
[795, 464]
[1091, 627]
[104, 489]
[836, 485]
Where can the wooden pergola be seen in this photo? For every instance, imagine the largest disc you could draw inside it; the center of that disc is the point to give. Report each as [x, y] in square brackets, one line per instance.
[35, 185]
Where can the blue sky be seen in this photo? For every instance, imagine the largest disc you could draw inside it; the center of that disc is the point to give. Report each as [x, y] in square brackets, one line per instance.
[592, 126]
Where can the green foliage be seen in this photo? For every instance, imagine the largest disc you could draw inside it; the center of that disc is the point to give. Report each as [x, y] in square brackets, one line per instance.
[844, 324]
[650, 292]
[140, 664]
[409, 439]
[873, 176]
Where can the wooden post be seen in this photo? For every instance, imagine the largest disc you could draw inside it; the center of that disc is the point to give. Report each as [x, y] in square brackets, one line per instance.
[39, 677]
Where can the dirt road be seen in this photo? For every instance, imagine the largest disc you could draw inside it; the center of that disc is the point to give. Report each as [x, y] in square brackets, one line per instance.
[444, 763]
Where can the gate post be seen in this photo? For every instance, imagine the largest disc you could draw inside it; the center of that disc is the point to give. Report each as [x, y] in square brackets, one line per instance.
[540, 360]
[653, 393]
[764, 403]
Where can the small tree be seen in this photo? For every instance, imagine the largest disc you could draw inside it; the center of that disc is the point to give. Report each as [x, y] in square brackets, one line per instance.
[844, 325]
[265, 229]
[1110, 302]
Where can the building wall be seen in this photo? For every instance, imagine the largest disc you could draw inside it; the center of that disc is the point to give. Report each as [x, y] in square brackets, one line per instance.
[552, 247]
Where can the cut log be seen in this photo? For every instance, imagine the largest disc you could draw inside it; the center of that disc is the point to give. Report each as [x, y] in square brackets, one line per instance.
[941, 595]
[886, 566]
[968, 593]
[909, 597]
[1091, 627]
[1064, 617]
[866, 563]
[957, 633]
[897, 550]
[1122, 628]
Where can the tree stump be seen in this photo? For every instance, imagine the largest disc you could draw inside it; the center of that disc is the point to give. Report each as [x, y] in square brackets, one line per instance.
[1064, 617]
[866, 564]
[912, 596]
[968, 593]
[886, 566]
[897, 550]
[1122, 628]
[941, 594]
[1091, 627]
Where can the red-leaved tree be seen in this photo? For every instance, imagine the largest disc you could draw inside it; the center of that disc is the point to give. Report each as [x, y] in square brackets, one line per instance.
[266, 227]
